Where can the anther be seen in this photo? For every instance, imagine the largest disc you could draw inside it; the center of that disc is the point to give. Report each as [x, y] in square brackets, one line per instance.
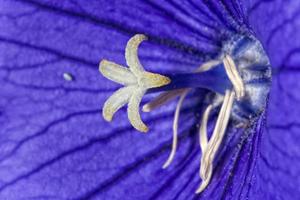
[234, 76]
[210, 149]
[203, 129]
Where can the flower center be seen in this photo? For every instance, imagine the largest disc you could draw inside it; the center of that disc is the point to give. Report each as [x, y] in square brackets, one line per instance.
[239, 81]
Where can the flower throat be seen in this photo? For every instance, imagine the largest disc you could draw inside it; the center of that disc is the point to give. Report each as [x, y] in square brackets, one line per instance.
[238, 82]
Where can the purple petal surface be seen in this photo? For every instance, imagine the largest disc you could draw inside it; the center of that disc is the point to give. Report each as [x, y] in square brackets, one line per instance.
[54, 143]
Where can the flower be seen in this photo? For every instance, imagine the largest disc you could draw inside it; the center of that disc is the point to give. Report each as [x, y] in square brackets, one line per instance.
[55, 143]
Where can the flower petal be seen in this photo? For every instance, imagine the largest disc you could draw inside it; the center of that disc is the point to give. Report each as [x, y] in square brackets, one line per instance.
[278, 163]
[53, 143]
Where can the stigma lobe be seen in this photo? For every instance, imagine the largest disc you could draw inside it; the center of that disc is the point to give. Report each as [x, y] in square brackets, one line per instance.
[136, 82]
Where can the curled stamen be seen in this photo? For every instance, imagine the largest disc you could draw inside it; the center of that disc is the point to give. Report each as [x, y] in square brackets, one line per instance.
[167, 96]
[212, 147]
[175, 128]
[234, 76]
[203, 142]
[162, 99]
[207, 66]
[203, 129]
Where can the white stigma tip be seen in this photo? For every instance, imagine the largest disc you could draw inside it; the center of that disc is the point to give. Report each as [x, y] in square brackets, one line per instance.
[136, 81]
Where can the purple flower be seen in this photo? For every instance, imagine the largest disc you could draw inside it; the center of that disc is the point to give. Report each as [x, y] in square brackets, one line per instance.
[55, 144]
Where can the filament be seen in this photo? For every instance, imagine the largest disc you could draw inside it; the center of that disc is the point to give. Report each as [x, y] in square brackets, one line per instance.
[203, 129]
[207, 66]
[162, 99]
[209, 150]
[175, 128]
[234, 76]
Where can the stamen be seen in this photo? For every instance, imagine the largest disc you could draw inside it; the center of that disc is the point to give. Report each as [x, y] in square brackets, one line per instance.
[210, 150]
[207, 66]
[203, 129]
[136, 81]
[203, 141]
[175, 128]
[167, 96]
[162, 99]
[234, 76]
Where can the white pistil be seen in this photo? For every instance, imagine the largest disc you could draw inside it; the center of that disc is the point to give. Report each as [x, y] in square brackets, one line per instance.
[165, 97]
[234, 76]
[210, 149]
[175, 128]
[136, 81]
